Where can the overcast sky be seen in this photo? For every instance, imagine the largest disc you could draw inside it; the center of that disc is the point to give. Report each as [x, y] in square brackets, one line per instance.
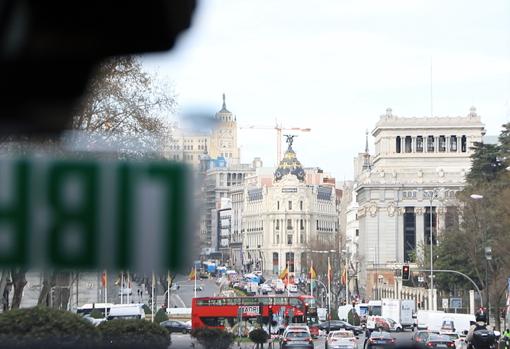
[336, 65]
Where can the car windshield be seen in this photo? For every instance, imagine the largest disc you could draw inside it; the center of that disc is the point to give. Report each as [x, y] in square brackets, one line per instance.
[298, 334]
[437, 337]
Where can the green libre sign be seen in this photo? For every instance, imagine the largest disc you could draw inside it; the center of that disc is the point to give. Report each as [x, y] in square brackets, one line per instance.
[90, 214]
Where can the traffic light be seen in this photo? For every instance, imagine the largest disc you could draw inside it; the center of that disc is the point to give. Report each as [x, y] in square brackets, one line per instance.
[405, 272]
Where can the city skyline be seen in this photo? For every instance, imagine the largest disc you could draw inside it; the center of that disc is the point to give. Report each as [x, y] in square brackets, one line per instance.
[336, 68]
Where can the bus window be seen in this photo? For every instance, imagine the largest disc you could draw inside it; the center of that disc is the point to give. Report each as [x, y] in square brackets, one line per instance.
[265, 300]
[280, 301]
[296, 302]
[203, 302]
[233, 301]
[250, 301]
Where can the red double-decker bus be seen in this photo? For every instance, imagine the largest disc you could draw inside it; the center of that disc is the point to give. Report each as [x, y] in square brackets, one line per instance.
[217, 311]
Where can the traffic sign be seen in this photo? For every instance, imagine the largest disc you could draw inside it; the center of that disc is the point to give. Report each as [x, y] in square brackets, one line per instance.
[94, 214]
[455, 303]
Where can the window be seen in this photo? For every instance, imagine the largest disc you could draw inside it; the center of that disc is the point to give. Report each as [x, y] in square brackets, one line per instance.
[289, 223]
[302, 238]
[289, 239]
[290, 205]
[289, 261]
[397, 144]
[278, 205]
[430, 144]
[277, 239]
[301, 224]
[419, 144]
[409, 233]
[357, 232]
[409, 144]
[463, 146]
[301, 205]
[275, 262]
[442, 144]
[453, 143]
[277, 224]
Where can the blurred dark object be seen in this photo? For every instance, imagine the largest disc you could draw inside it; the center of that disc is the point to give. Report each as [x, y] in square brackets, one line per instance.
[48, 50]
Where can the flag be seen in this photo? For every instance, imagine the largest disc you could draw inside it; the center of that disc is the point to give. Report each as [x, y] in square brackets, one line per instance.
[193, 274]
[344, 277]
[103, 279]
[330, 276]
[313, 274]
[284, 274]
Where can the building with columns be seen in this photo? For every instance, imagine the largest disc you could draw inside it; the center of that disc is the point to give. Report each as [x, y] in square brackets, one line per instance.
[406, 190]
[281, 221]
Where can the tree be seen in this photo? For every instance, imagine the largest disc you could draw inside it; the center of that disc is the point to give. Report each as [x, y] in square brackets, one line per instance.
[483, 223]
[125, 104]
[125, 109]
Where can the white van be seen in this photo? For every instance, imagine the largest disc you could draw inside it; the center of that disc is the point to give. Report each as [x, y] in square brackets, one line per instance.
[126, 311]
[279, 286]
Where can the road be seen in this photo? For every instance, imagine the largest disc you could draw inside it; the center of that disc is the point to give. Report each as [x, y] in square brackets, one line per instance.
[403, 340]
[182, 297]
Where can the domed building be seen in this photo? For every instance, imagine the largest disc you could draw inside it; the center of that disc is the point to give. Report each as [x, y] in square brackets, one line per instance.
[281, 223]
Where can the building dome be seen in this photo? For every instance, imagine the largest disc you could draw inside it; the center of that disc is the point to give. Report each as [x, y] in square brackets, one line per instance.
[290, 164]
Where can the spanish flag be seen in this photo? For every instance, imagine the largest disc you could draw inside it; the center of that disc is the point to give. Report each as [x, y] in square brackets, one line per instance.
[313, 274]
[103, 279]
[284, 274]
[330, 275]
[344, 277]
[193, 274]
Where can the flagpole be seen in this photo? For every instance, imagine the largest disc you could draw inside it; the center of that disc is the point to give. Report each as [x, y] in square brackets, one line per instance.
[329, 287]
[129, 287]
[288, 271]
[152, 304]
[168, 289]
[311, 278]
[195, 282]
[105, 287]
[121, 287]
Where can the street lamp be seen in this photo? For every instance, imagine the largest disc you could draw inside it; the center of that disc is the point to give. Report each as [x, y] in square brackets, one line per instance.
[488, 257]
[432, 196]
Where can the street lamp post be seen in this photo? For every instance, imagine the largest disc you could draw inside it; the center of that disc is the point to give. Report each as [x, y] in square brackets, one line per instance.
[488, 257]
[432, 196]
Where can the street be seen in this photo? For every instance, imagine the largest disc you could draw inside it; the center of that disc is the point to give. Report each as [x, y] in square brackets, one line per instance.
[403, 340]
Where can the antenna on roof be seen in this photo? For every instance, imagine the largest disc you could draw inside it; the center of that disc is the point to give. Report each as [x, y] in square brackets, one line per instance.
[431, 96]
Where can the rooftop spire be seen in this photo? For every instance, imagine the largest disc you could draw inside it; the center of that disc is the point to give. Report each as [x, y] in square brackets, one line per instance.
[366, 155]
[224, 104]
[366, 141]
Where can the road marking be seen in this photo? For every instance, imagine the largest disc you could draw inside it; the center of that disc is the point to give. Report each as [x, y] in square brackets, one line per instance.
[183, 305]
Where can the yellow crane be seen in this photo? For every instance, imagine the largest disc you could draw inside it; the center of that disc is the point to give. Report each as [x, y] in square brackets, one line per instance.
[279, 128]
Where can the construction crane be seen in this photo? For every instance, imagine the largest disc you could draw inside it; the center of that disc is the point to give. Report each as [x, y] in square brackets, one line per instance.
[279, 129]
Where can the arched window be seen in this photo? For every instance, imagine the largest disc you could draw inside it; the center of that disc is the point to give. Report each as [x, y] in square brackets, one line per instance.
[397, 144]
[442, 144]
[430, 144]
[419, 144]
[408, 144]
[453, 143]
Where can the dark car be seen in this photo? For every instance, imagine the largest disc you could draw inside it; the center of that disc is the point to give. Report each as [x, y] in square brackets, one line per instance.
[176, 326]
[439, 342]
[420, 338]
[336, 325]
[380, 339]
[296, 339]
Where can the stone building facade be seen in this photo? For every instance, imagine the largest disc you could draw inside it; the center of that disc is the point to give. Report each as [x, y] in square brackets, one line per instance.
[221, 141]
[280, 221]
[406, 190]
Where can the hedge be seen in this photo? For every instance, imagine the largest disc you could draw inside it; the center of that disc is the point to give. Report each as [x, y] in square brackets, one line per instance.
[133, 333]
[42, 327]
[212, 338]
